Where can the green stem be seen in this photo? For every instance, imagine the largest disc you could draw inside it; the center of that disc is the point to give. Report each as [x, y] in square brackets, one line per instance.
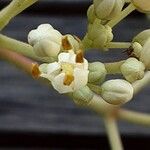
[118, 45]
[113, 134]
[122, 15]
[13, 9]
[114, 68]
[134, 117]
[140, 84]
[95, 88]
[19, 47]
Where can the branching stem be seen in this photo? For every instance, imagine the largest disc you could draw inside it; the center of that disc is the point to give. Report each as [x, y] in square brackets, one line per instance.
[130, 8]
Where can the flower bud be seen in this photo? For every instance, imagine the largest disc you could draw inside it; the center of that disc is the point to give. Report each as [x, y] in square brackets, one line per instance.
[83, 96]
[45, 48]
[91, 14]
[108, 9]
[137, 48]
[97, 72]
[46, 41]
[117, 92]
[99, 34]
[142, 5]
[145, 54]
[142, 37]
[70, 42]
[133, 70]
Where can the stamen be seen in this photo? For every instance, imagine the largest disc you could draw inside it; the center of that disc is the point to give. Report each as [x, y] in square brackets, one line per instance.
[66, 44]
[35, 71]
[68, 79]
[79, 56]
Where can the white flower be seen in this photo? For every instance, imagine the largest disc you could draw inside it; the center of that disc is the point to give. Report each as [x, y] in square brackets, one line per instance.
[45, 40]
[69, 74]
[117, 91]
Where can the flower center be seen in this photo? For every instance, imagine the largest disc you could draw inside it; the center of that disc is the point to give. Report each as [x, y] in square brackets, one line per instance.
[68, 70]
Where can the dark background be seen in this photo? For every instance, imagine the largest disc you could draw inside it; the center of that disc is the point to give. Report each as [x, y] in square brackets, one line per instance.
[33, 116]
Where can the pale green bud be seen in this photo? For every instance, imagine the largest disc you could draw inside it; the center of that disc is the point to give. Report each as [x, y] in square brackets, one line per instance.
[91, 14]
[137, 48]
[46, 48]
[142, 37]
[142, 5]
[97, 72]
[99, 34]
[117, 92]
[108, 9]
[133, 70]
[145, 54]
[83, 96]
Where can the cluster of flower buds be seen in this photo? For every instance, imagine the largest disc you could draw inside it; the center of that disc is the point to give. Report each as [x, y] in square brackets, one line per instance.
[99, 34]
[70, 72]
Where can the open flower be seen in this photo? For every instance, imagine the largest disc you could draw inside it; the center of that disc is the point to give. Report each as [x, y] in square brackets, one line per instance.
[69, 74]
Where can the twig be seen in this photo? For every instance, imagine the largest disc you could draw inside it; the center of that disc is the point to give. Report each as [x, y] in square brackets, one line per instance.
[26, 64]
[19, 47]
[13, 9]
[113, 133]
[122, 15]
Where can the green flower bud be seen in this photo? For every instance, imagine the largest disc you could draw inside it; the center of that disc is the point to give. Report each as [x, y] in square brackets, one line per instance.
[133, 70]
[145, 54]
[108, 9]
[91, 14]
[137, 48]
[99, 34]
[83, 96]
[117, 92]
[142, 5]
[97, 72]
[142, 37]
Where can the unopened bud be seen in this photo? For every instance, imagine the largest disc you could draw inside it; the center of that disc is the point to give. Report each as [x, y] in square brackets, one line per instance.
[83, 96]
[108, 9]
[91, 14]
[145, 54]
[117, 92]
[46, 41]
[142, 37]
[99, 34]
[97, 72]
[133, 70]
[142, 5]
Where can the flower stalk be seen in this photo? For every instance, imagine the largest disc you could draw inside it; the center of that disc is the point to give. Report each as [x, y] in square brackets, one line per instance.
[130, 8]
[113, 133]
[13, 9]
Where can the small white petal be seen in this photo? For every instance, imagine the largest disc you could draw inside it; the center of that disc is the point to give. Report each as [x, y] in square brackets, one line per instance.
[33, 37]
[80, 78]
[63, 57]
[52, 67]
[45, 27]
[58, 84]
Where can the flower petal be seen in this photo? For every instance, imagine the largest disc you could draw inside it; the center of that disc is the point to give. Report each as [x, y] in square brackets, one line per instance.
[58, 84]
[52, 67]
[80, 78]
